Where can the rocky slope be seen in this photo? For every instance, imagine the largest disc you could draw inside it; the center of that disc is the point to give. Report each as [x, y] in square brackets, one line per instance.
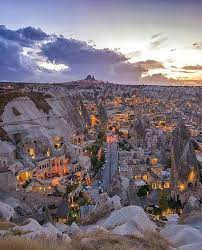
[24, 119]
[125, 228]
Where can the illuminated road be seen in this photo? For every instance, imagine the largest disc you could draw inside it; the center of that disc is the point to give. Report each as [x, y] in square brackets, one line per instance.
[111, 157]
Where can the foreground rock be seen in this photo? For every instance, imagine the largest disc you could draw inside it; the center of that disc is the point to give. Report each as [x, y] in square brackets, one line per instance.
[131, 220]
[96, 229]
[74, 229]
[182, 236]
[6, 211]
[32, 229]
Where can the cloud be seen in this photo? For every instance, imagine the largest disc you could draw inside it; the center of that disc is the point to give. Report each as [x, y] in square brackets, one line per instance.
[33, 34]
[193, 67]
[82, 59]
[197, 45]
[25, 37]
[130, 71]
[134, 53]
[72, 51]
[185, 71]
[162, 79]
[158, 41]
[151, 64]
[157, 79]
[157, 35]
[30, 54]
[13, 65]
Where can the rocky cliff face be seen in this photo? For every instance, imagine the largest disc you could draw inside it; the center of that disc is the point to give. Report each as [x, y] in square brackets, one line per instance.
[138, 129]
[63, 111]
[184, 165]
[30, 123]
[125, 189]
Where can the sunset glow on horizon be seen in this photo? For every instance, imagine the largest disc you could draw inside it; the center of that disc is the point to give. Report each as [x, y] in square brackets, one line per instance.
[146, 41]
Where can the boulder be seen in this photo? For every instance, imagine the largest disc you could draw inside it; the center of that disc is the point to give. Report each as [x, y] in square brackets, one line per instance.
[96, 228]
[172, 219]
[6, 211]
[194, 246]
[63, 228]
[132, 216]
[193, 201]
[128, 228]
[180, 235]
[51, 231]
[74, 229]
[3, 232]
[116, 202]
[125, 189]
[107, 204]
[32, 229]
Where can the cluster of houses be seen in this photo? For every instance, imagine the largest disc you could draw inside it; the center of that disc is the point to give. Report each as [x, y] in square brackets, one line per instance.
[146, 124]
[140, 165]
[49, 166]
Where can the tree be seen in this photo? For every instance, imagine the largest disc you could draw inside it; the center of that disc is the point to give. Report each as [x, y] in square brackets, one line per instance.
[142, 191]
[163, 200]
[101, 136]
[168, 163]
[95, 163]
[70, 188]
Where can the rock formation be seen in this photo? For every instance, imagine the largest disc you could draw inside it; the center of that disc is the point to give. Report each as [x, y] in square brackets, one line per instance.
[184, 165]
[126, 189]
[120, 224]
[32, 229]
[131, 220]
[182, 236]
[137, 134]
[139, 128]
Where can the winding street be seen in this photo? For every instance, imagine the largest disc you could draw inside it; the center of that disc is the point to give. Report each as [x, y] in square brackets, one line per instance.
[111, 158]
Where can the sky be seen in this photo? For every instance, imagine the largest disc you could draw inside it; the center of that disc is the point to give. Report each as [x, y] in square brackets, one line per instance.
[121, 41]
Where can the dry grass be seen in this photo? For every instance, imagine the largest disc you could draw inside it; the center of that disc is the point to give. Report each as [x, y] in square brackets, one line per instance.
[5, 225]
[91, 241]
[102, 241]
[18, 232]
[17, 243]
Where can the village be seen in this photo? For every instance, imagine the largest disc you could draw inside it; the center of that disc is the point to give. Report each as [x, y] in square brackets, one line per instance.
[124, 138]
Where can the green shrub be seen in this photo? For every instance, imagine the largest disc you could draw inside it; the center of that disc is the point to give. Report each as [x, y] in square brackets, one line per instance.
[142, 191]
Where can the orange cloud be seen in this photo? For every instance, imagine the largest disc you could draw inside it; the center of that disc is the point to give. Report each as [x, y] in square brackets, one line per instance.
[193, 67]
